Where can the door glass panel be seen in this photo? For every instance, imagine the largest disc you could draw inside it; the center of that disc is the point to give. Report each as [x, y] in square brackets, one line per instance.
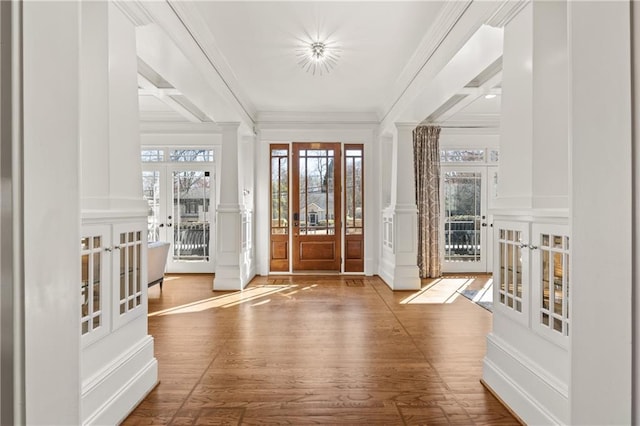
[353, 191]
[191, 201]
[462, 200]
[151, 192]
[279, 192]
[317, 196]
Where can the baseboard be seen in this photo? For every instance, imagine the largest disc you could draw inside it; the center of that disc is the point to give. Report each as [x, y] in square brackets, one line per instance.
[533, 398]
[385, 272]
[504, 404]
[109, 397]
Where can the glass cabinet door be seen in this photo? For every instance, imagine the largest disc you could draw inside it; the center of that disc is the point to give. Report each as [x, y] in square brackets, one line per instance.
[512, 267]
[550, 281]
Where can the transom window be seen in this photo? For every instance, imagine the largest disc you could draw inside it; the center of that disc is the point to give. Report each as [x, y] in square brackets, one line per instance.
[476, 155]
[176, 155]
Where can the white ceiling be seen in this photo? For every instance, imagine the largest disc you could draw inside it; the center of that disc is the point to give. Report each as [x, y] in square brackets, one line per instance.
[255, 47]
[260, 40]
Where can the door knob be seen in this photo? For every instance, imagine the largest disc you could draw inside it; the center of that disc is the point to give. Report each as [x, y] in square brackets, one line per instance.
[483, 224]
[161, 225]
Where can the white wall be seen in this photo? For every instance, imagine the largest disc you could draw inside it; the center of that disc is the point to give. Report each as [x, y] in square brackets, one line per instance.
[51, 212]
[601, 212]
[515, 170]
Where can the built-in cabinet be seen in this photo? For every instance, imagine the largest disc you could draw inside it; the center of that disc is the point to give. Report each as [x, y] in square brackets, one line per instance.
[116, 347]
[111, 279]
[531, 279]
[527, 361]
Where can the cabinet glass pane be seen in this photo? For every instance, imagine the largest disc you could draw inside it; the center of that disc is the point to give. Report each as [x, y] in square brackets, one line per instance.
[558, 289]
[545, 279]
[138, 260]
[566, 290]
[510, 268]
[518, 263]
[96, 281]
[130, 269]
[503, 269]
[123, 276]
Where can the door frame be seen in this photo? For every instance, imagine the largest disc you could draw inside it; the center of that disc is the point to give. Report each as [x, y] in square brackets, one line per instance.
[166, 170]
[486, 231]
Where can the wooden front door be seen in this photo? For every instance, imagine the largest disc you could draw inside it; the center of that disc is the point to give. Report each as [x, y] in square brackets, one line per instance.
[316, 207]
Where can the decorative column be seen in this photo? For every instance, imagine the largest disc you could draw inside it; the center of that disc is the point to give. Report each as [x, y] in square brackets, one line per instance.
[401, 220]
[228, 215]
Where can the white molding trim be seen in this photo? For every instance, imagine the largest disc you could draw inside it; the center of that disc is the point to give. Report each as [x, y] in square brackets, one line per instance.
[137, 368]
[506, 12]
[134, 11]
[504, 367]
[310, 117]
[468, 130]
[159, 127]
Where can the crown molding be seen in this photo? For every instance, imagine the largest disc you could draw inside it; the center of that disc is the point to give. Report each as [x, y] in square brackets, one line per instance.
[281, 117]
[176, 127]
[506, 12]
[134, 11]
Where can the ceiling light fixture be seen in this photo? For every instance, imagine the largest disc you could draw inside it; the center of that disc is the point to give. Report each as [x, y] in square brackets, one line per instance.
[490, 96]
[318, 56]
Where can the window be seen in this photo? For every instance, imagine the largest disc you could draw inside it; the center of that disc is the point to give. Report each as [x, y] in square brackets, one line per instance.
[353, 190]
[279, 190]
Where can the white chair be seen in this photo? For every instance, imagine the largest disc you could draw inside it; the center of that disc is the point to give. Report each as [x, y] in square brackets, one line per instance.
[156, 262]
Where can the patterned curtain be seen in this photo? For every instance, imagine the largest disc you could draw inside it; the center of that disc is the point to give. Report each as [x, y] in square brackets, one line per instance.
[426, 163]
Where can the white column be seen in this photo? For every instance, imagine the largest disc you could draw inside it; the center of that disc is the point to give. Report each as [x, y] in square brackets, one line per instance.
[229, 219]
[550, 147]
[405, 274]
[94, 106]
[601, 213]
[515, 169]
[51, 197]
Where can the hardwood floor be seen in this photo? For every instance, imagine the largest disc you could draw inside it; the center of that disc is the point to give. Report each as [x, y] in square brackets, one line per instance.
[315, 350]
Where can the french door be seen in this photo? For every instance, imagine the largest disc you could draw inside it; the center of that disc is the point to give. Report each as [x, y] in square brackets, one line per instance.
[181, 211]
[316, 207]
[467, 229]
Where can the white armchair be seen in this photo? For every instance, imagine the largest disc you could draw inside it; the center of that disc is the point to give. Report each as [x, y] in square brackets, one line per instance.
[156, 262]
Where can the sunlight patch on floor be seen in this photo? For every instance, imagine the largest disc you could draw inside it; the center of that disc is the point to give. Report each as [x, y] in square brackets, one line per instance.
[441, 291]
[485, 294]
[226, 300]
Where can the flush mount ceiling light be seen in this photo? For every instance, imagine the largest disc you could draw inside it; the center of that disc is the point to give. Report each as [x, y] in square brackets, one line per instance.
[318, 57]
[490, 96]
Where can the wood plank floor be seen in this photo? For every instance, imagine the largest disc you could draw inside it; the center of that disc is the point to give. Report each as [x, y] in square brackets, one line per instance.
[316, 350]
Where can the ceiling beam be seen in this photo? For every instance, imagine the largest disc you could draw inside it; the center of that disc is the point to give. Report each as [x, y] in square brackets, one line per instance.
[472, 94]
